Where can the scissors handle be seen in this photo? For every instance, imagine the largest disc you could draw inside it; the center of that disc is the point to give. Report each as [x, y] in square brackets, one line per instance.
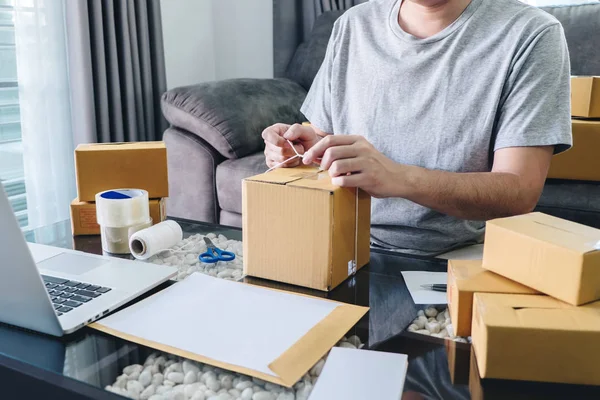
[214, 255]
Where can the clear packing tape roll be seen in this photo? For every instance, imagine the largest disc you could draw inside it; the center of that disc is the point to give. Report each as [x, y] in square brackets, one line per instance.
[116, 240]
[148, 242]
[121, 208]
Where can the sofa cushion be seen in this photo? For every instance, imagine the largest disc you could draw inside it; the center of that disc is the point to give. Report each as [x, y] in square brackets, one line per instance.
[229, 179]
[573, 200]
[231, 114]
[581, 24]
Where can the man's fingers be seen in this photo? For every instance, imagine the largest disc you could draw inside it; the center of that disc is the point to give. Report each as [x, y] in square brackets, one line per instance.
[344, 167]
[330, 141]
[284, 150]
[299, 132]
[337, 153]
[274, 134]
[354, 180]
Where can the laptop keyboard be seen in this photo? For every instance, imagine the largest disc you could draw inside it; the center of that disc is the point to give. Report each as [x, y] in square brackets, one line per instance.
[67, 295]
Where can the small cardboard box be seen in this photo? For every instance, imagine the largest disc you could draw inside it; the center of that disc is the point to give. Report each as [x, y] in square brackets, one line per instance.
[465, 278]
[83, 216]
[536, 338]
[552, 255]
[141, 165]
[299, 228]
[585, 96]
[582, 161]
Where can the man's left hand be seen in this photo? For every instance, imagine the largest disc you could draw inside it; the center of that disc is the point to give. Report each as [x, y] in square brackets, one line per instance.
[353, 162]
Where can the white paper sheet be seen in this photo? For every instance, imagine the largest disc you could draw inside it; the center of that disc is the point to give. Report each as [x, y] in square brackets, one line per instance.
[361, 374]
[240, 324]
[414, 280]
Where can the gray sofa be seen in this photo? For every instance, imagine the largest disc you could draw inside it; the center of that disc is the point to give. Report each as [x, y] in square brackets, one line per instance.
[214, 140]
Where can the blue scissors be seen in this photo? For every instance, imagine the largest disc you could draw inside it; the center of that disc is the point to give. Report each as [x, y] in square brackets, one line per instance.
[214, 254]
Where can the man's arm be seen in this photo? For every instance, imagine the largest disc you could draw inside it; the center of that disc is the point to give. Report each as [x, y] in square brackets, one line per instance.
[513, 187]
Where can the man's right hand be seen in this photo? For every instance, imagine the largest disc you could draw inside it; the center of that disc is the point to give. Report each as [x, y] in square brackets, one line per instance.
[277, 148]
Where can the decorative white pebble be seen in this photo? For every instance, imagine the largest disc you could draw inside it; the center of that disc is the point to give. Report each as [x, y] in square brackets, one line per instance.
[226, 381]
[469, 339]
[211, 236]
[168, 383]
[462, 340]
[263, 396]
[163, 389]
[176, 377]
[160, 361]
[437, 335]
[121, 382]
[134, 387]
[175, 396]
[247, 394]
[149, 391]
[134, 376]
[177, 367]
[440, 318]
[317, 368]
[431, 319]
[157, 379]
[222, 390]
[433, 327]
[191, 389]
[190, 377]
[347, 345]
[420, 313]
[286, 396]
[209, 394]
[145, 378]
[208, 375]
[446, 314]
[189, 366]
[431, 312]
[303, 393]
[258, 382]
[256, 389]
[213, 384]
[355, 340]
[235, 393]
[207, 368]
[420, 322]
[157, 397]
[412, 328]
[423, 332]
[132, 368]
[271, 387]
[450, 329]
[198, 396]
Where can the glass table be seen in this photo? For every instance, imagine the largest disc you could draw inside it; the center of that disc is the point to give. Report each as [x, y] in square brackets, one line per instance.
[81, 365]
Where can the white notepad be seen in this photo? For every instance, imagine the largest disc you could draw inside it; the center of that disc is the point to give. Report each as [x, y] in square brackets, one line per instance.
[235, 323]
[361, 374]
[414, 280]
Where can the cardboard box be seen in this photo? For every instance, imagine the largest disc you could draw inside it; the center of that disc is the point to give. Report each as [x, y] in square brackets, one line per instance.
[549, 254]
[83, 216]
[536, 338]
[458, 361]
[580, 162]
[141, 165]
[585, 96]
[300, 229]
[465, 278]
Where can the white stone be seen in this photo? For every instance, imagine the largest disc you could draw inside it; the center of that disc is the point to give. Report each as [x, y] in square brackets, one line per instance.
[134, 376]
[420, 313]
[169, 383]
[413, 328]
[286, 396]
[431, 319]
[317, 368]
[347, 345]
[121, 382]
[236, 380]
[207, 375]
[157, 397]
[440, 318]
[175, 396]
[226, 381]
[450, 330]
[132, 368]
[244, 385]
[190, 377]
[145, 378]
[431, 312]
[247, 394]
[263, 396]
[191, 389]
[149, 391]
[446, 313]
[176, 377]
[163, 389]
[158, 379]
[211, 236]
[303, 393]
[420, 322]
[443, 333]
[209, 394]
[176, 367]
[256, 389]
[423, 332]
[258, 382]
[225, 273]
[213, 384]
[198, 396]
[433, 327]
[207, 368]
[355, 340]
[222, 390]
[462, 340]
[437, 335]
[235, 393]
[135, 387]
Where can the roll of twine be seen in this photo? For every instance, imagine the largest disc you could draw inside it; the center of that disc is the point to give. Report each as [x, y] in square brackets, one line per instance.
[157, 239]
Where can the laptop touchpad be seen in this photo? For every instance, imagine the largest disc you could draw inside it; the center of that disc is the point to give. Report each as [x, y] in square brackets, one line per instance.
[73, 264]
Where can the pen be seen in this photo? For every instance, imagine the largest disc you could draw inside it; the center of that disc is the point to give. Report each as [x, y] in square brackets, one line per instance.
[436, 287]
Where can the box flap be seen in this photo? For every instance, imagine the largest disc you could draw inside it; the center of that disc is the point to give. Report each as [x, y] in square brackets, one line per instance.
[285, 175]
[120, 146]
[320, 181]
[470, 276]
[556, 231]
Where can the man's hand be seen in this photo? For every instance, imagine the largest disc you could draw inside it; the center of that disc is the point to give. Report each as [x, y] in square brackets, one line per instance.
[353, 162]
[277, 148]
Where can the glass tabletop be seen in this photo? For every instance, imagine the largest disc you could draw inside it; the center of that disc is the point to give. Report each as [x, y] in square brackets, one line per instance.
[88, 361]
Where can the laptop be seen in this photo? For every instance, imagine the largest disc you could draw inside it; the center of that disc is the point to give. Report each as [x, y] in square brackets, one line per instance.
[58, 291]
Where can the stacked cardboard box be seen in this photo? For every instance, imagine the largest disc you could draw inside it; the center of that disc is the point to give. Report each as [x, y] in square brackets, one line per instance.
[550, 337]
[581, 162]
[100, 167]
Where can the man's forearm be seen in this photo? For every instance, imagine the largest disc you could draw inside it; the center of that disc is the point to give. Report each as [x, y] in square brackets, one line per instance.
[474, 196]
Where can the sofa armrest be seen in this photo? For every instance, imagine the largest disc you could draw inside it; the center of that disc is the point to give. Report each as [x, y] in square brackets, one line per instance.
[231, 114]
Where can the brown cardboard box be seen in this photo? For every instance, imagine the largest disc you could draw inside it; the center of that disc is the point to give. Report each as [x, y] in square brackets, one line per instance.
[83, 216]
[300, 229]
[581, 162]
[465, 278]
[536, 338]
[141, 165]
[549, 254]
[585, 96]
[458, 361]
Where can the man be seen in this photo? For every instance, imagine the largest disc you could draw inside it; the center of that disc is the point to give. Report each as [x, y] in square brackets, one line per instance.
[446, 111]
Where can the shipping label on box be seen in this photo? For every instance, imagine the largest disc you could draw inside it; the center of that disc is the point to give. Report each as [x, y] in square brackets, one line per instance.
[536, 338]
[467, 277]
[299, 228]
[585, 96]
[83, 216]
[582, 161]
[552, 255]
[140, 165]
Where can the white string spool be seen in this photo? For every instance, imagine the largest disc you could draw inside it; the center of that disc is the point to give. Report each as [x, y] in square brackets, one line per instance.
[151, 241]
[121, 208]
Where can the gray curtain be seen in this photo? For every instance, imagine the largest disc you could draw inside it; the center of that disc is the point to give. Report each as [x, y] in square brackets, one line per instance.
[292, 22]
[116, 70]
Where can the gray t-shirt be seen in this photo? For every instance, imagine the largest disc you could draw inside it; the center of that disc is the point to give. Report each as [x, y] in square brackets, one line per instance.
[498, 77]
